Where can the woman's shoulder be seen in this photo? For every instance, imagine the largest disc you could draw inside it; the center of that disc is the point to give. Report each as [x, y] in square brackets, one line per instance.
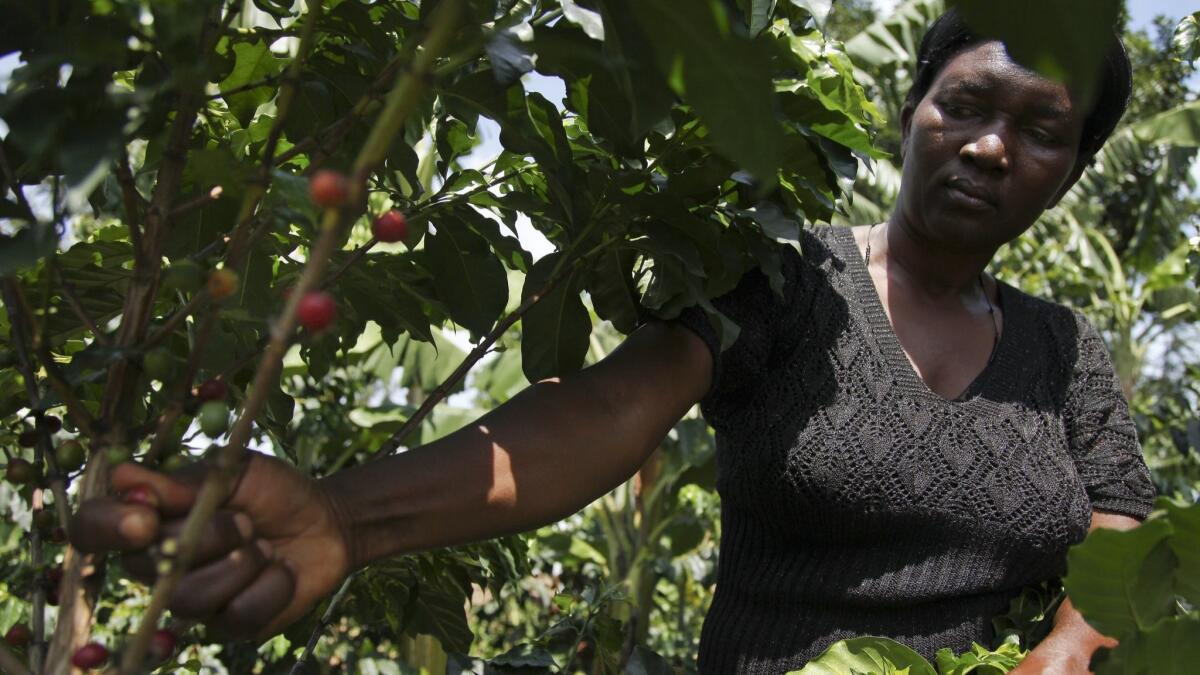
[1043, 319]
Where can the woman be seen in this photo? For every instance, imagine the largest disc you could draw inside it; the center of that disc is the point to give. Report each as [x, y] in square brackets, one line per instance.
[903, 442]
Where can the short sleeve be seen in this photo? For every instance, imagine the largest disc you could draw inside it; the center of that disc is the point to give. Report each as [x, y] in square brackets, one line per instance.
[1101, 433]
[760, 313]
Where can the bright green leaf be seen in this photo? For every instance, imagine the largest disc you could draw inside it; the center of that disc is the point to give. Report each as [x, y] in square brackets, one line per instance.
[1178, 126]
[876, 655]
[1121, 581]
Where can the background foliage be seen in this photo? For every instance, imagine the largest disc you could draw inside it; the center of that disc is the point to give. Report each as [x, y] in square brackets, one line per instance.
[675, 161]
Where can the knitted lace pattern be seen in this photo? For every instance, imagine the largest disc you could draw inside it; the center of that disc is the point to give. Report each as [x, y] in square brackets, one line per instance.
[856, 501]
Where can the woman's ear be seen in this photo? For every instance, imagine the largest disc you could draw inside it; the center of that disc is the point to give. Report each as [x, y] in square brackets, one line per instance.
[906, 115]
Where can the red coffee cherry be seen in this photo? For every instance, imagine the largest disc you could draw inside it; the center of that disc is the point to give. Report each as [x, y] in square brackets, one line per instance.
[52, 577]
[222, 283]
[162, 644]
[390, 227]
[212, 390]
[28, 438]
[50, 424]
[316, 311]
[91, 655]
[328, 189]
[18, 636]
[20, 471]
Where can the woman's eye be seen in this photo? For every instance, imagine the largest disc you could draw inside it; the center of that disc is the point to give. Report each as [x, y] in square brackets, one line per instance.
[1042, 137]
[959, 111]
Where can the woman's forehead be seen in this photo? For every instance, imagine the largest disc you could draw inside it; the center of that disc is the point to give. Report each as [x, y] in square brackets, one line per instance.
[987, 69]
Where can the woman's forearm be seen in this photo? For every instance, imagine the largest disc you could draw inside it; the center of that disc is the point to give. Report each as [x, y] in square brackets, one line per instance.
[541, 456]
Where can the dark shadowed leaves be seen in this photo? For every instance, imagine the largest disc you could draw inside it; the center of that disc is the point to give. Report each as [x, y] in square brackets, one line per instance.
[1065, 40]
[471, 280]
[611, 285]
[554, 332]
[724, 75]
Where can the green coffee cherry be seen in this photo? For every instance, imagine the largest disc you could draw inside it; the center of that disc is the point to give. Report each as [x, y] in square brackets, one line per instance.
[69, 455]
[118, 454]
[214, 418]
[159, 364]
[184, 276]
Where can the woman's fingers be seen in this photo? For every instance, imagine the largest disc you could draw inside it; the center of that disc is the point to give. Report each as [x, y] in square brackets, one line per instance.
[225, 532]
[174, 494]
[205, 591]
[252, 610]
[130, 520]
[107, 524]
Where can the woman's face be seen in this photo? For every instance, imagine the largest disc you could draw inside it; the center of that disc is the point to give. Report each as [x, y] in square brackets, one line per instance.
[989, 147]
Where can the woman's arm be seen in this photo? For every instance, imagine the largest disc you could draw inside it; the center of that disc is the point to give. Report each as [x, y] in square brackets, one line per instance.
[285, 541]
[545, 454]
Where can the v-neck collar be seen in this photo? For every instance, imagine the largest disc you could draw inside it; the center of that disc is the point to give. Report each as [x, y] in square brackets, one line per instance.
[987, 383]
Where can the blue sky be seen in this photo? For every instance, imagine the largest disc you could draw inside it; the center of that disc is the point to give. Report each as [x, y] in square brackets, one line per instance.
[1144, 11]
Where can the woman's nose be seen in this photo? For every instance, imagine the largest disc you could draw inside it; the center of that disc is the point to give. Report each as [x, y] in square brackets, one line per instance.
[987, 151]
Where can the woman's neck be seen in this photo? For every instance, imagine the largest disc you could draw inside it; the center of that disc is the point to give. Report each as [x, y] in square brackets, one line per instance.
[923, 265]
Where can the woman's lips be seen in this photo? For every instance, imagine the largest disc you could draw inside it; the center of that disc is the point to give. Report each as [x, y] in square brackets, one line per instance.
[969, 196]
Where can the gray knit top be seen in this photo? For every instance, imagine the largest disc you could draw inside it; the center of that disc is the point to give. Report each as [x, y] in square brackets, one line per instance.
[856, 501]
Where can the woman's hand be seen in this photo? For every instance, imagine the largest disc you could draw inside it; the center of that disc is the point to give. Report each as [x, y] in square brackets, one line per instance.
[1057, 657]
[274, 550]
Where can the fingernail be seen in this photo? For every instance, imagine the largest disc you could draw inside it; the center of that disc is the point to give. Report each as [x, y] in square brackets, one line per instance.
[133, 527]
[243, 524]
[265, 548]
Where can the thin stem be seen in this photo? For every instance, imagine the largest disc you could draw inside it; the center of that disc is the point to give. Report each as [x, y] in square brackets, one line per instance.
[249, 86]
[164, 331]
[133, 202]
[333, 133]
[326, 619]
[481, 349]
[38, 644]
[197, 202]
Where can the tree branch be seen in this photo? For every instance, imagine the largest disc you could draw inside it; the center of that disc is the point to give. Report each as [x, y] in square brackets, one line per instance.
[77, 597]
[197, 202]
[132, 200]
